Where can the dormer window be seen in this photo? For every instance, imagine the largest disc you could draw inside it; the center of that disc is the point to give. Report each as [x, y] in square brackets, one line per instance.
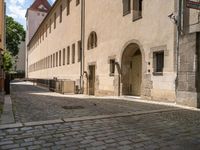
[41, 7]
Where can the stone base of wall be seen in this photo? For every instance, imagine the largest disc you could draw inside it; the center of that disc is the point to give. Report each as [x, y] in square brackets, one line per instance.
[188, 98]
[104, 93]
[163, 95]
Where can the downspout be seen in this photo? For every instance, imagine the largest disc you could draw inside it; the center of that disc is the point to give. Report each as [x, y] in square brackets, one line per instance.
[82, 46]
[178, 29]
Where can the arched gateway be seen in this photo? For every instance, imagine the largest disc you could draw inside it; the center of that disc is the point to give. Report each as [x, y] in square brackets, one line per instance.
[131, 70]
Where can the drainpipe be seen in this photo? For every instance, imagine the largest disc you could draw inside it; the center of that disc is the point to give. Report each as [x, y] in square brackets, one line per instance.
[179, 20]
[82, 64]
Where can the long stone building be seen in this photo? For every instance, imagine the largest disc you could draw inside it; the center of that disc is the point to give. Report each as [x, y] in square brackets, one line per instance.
[2, 42]
[146, 48]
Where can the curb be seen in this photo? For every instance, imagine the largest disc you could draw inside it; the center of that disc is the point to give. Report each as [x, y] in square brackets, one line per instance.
[67, 120]
[7, 116]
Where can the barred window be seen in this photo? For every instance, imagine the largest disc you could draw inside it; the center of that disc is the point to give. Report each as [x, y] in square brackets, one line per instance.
[158, 62]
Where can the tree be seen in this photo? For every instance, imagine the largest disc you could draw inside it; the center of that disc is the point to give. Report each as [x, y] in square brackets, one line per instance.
[15, 34]
[7, 61]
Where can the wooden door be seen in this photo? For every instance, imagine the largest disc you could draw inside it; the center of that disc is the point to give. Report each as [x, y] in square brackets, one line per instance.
[136, 75]
[92, 80]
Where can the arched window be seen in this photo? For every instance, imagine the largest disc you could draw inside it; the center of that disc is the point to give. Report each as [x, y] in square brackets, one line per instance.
[92, 40]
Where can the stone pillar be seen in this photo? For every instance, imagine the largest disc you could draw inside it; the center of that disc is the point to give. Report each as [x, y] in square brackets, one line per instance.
[188, 70]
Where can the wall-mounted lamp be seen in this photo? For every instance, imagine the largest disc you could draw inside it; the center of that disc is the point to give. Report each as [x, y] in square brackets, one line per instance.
[173, 17]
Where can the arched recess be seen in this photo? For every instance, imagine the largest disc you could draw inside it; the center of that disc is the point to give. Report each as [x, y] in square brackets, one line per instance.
[92, 40]
[131, 70]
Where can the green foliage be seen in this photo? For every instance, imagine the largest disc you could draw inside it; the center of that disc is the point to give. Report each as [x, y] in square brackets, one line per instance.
[14, 35]
[7, 61]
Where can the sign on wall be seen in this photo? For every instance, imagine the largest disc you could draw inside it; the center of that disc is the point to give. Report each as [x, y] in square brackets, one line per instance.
[193, 4]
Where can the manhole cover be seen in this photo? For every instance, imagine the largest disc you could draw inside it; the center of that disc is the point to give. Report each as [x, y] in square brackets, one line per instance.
[73, 107]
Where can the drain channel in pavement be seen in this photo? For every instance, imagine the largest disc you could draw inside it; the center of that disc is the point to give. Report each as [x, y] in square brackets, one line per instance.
[73, 107]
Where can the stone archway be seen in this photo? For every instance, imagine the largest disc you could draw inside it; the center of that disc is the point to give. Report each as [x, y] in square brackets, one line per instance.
[131, 70]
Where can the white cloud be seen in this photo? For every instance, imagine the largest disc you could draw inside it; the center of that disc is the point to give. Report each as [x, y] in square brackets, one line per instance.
[53, 1]
[16, 9]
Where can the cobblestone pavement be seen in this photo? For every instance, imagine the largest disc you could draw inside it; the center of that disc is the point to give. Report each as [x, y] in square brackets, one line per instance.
[171, 130]
[35, 104]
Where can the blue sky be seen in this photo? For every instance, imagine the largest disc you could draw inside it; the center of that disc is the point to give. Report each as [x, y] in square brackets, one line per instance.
[17, 9]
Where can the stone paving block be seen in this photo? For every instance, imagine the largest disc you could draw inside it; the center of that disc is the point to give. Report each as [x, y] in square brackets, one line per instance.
[47, 144]
[5, 142]
[26, 144]
[36, 147]
[10, 146]
[29, 139]
[26, 128]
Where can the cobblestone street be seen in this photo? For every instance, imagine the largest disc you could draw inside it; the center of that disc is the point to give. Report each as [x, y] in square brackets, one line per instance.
[102, 124]
[36, 104]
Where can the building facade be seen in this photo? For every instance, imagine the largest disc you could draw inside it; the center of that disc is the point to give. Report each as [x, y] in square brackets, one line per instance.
[120, 47]
[2, 41]
[20, 59]
[34, 16]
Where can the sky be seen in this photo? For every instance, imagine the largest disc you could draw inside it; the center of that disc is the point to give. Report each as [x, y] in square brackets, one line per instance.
[17, 9]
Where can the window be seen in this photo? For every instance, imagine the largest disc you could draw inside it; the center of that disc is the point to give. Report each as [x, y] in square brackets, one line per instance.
[112, 67]
[43, 34]
[46, 29]
[60, 13]
[56, 59]
[50, 26]
[73, 53]
[77, 2]
[68, 55]
[68, 7]
[79, 51]
[40, 37]
[158, 62]
[92, 40]
[126, 7]
[60, 58]
[48, 61]
[64, 56]
[137, 9]
[51, 61]
[54, 20]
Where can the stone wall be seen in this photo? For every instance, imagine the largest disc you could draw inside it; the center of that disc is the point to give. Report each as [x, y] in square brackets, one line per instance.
[188, 74]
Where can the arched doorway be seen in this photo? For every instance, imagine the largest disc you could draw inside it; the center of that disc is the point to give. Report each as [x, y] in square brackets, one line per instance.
[131, 70]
